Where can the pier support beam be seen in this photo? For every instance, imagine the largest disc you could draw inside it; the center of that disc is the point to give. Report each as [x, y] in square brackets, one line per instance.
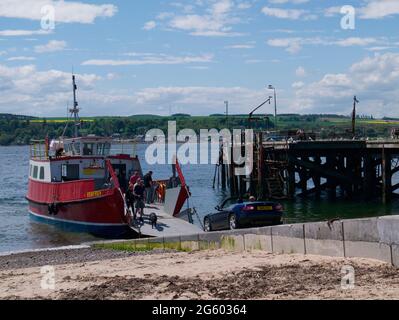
[331, 185]
[386, 176]
[291, 180]
[369, 176]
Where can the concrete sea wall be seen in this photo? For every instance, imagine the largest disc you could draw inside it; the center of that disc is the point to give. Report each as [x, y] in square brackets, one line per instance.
[374, 238]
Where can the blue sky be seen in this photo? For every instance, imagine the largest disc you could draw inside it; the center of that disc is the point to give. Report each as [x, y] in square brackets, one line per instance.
[136, 57]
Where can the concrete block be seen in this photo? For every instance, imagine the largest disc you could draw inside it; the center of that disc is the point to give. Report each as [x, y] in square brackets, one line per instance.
[156, 243]
[172, 239]
[395, 255]
[194, 237]
[210, 240]
[233, 243]
[288, 239]
[258, 242]
[190, 246]
[265, 231]
[172, 243]
[324, 238]
[190, 242]
[365, 230]
[239, 232]
[370, 250]
[388, 229]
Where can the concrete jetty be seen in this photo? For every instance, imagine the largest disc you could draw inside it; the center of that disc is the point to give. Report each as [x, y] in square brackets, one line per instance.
[167, 225]
[373, 238]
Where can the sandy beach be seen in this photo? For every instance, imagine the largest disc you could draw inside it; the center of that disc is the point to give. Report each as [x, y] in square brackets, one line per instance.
[103, 274]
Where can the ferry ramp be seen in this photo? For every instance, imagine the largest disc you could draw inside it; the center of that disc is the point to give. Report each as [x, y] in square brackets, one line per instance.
[167, 225]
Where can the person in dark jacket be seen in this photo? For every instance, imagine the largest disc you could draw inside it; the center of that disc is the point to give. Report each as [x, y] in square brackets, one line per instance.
[129, 198]
[148, 184]
[139, 193]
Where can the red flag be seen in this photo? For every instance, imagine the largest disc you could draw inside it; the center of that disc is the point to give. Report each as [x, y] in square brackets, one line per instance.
[180, 173]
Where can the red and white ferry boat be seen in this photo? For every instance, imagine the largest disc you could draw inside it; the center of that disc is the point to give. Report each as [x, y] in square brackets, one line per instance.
[78, 183]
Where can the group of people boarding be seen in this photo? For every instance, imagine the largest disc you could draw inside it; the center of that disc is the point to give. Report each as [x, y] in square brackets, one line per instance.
[139, 193]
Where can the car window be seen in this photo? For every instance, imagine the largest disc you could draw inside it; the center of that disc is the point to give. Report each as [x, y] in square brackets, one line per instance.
[228, 203]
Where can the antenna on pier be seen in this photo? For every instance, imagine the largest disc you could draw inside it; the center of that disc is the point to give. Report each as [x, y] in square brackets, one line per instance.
[75, 110]
[355, 102]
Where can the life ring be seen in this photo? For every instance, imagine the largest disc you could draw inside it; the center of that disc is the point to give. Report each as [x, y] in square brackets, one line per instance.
[53, 209]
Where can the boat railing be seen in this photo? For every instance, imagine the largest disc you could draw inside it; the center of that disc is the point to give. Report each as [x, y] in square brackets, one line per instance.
[39, 150]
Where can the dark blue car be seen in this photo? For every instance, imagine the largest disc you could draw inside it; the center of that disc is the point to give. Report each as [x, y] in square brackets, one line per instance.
[235, 214]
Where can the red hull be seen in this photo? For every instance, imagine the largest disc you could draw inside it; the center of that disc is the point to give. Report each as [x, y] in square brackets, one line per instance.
[80, 208]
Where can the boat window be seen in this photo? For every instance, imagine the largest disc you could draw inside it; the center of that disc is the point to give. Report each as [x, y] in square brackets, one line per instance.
[67, 148]
[76, 149]
[100, 149]
[41, 175]
[88, 149]
[35, 172]
[103, 149]
[107, 149]
[30, 170]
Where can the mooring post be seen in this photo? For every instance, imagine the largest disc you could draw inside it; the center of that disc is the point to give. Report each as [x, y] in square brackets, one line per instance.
[386, 176]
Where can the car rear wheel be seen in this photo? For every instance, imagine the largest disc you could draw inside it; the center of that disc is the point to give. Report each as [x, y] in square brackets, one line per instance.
[207, 225]
[233, 222]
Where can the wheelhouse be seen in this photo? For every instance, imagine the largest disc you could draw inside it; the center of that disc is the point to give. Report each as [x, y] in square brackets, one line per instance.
[83, 158]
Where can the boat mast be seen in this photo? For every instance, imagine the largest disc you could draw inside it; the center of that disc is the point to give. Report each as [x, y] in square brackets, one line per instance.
[75, 110]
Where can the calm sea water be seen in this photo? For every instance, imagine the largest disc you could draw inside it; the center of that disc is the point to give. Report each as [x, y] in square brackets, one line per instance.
[18, 232]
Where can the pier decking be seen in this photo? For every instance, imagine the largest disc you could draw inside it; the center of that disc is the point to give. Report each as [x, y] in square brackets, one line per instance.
[167, 225]
[346, 168]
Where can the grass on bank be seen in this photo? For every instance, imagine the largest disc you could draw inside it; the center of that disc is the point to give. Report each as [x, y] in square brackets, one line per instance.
[140, 246]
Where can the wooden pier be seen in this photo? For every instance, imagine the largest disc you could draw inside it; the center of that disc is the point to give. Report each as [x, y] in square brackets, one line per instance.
[340, 168]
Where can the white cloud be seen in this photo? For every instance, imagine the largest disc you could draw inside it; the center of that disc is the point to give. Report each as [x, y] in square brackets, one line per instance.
[372, 9]
[294, 45]
[332, 11]
[374, 80]
[19, 33]
[21, 58]
[26, 90]
[241, 46]
[288, 1]
[300, 72]
[216, 20]
[112, 76]
[355, 41]
[150, 25]
[291, 14]
[253, 61]
[151, 59]
[244, 5]
[298, 85]
[51, 46]
[65, 12]
[378, 9]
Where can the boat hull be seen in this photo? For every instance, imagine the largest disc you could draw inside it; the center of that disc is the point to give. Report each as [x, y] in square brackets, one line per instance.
[102, 217]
